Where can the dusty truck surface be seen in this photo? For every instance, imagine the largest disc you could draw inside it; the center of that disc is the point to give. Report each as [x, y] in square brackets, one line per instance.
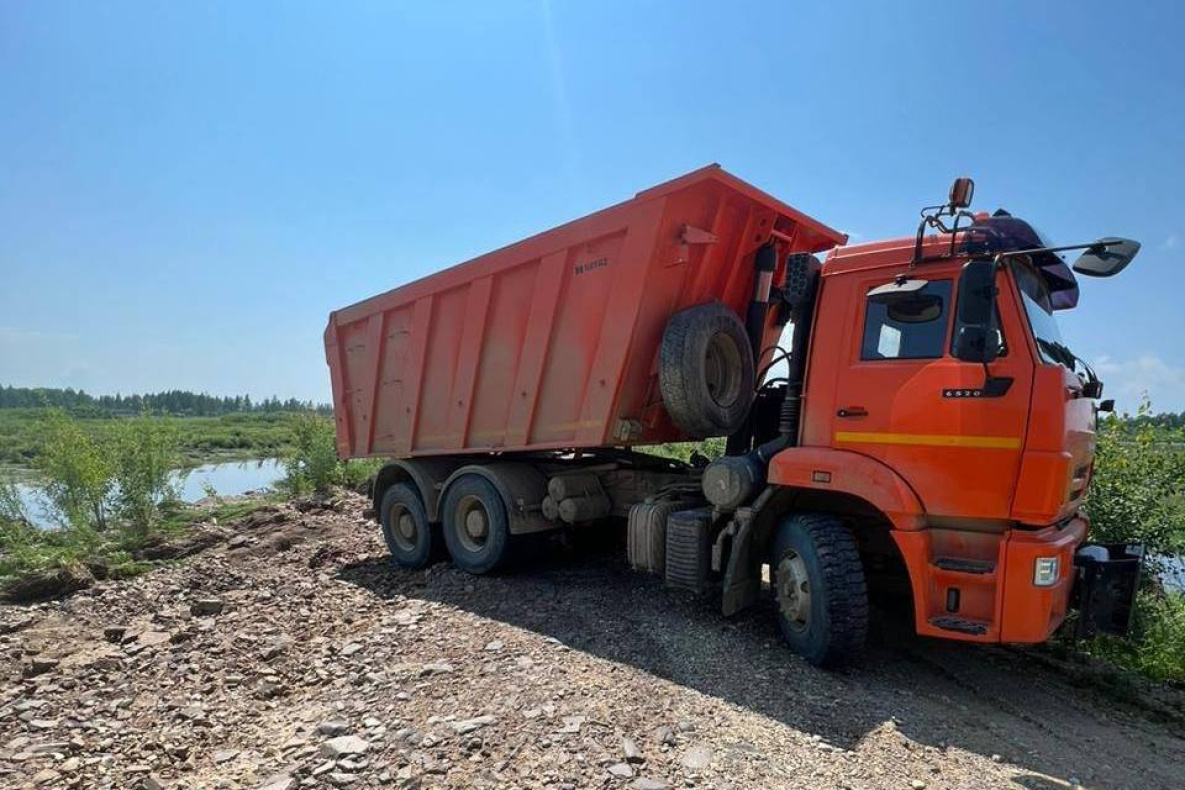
[923, 431]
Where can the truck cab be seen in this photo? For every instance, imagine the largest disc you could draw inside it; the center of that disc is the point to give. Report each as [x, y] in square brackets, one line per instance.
[979, 465]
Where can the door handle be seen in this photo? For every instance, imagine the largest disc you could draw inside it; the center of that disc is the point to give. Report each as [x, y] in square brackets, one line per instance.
[853, 411]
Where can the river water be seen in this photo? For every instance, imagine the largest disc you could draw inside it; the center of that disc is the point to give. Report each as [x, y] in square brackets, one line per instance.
[227, 479]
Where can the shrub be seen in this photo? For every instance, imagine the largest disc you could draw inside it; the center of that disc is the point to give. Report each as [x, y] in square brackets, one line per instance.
[1136, 496]
[313, 465]
[683, 451]
[12, 509]
[146, 451]
[1136, 493]
[77, 472]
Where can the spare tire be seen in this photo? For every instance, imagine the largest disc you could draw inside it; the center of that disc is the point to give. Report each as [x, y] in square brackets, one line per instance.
[706, 371]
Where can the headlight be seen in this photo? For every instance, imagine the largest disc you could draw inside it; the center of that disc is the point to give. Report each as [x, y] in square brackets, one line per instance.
[1046, 571]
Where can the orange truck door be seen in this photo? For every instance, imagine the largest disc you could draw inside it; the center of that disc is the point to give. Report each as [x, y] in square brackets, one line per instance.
[902, 398]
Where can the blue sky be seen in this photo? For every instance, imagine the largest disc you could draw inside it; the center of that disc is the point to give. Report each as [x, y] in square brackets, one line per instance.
[187, 189]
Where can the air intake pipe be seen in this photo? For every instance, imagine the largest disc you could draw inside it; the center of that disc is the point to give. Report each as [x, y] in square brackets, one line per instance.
[765, 261]
[802, 286]
[731, 481]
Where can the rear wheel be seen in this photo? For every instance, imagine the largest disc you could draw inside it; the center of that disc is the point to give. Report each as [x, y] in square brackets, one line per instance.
[476, 525]
[405, 526]
[819, 588]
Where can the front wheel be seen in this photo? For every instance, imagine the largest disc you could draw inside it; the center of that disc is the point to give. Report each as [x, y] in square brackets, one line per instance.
[819, 589]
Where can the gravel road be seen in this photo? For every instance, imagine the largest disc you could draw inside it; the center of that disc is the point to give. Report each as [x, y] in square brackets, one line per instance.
[291, 655]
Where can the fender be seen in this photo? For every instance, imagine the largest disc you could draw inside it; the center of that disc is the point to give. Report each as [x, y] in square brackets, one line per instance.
[427, 474]
[842, 471]
[522, 488]
[819, 469]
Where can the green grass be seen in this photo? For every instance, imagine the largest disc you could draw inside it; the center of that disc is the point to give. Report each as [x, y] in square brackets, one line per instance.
[1158, 649]
[26, 552]
[202, 439]
[178, 520]
[682, 451]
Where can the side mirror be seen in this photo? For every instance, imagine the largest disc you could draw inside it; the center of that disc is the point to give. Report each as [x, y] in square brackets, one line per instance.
[977, 338]
[1106, 257]
[961, 193]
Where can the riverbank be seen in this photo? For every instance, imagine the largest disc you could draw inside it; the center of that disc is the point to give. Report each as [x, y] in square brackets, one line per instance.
[221, 479]
[201, 440]
[289, 653]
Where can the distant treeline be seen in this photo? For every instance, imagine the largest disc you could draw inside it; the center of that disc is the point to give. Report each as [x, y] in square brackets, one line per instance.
[174, 402]
[1164, 420]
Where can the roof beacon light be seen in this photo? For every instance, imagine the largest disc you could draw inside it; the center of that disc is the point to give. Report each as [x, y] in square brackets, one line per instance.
[961, 193]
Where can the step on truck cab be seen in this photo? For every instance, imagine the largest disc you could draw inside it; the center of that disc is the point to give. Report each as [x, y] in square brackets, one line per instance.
[923, 430]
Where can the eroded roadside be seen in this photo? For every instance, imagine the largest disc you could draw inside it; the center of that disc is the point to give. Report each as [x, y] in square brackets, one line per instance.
[291, 655]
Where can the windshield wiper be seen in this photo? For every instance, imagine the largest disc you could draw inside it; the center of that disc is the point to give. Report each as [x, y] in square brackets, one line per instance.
[1062, 353]
[1059, 352]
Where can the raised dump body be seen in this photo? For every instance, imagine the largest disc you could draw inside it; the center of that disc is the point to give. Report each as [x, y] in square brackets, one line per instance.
[553, 342]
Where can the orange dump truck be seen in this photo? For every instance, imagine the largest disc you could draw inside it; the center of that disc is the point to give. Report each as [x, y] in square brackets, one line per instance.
[925, 429]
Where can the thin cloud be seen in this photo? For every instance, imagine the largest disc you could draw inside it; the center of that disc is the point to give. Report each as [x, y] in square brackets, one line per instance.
[1170, 242]
[1130, 380]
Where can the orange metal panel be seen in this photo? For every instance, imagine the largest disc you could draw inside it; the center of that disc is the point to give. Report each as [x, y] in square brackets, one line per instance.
[407, 419]
[537, 343]
[551, 342]
[617, 329]
[465, 377]
[374, 340]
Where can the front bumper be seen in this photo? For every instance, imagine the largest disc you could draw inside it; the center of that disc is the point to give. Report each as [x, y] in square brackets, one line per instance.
[1107, 576]
[983, 587]
[1028, 612]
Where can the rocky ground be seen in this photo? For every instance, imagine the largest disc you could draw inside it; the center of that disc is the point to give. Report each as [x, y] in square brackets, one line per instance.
[291, 655]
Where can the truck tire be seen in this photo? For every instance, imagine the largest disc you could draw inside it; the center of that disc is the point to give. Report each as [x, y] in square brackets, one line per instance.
[405, 526]
[476, 525]
[819, 589]
[706, 371]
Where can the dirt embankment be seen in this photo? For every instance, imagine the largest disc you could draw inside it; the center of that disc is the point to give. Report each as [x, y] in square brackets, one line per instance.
[294, 656]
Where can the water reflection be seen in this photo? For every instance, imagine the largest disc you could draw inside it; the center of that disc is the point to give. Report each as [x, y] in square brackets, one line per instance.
[225, 479]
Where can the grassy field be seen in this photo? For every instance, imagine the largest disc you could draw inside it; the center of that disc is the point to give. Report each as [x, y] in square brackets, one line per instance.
[1136, 495]
[202, 439]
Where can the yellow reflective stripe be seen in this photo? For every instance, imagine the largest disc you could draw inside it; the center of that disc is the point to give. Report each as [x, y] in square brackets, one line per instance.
[929, 440]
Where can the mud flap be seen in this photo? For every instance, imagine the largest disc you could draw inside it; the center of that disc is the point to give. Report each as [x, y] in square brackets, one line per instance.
[742, 578]
[1107, 576]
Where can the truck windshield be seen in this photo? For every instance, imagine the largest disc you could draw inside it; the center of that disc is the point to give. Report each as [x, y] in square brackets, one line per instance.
[1038, 306]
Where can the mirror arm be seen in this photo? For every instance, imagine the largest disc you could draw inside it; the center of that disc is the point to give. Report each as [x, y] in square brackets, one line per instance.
[1094, 245]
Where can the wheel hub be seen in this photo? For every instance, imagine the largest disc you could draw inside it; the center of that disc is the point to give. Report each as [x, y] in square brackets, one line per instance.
[407, 526]
[472, 523]
[475, 524]
[794, 591]
[404, 531]
[721, 370]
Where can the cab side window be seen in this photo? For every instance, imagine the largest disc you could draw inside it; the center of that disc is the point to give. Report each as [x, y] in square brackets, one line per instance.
[912, 329]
